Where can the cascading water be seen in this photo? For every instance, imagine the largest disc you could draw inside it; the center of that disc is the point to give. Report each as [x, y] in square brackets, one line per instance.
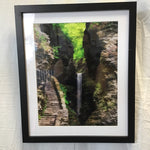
[79, 92]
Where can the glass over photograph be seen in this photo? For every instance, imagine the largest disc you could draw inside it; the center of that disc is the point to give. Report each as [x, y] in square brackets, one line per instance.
[76, 70]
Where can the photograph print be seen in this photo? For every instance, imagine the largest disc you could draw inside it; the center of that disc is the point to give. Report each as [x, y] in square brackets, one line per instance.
[76, 73]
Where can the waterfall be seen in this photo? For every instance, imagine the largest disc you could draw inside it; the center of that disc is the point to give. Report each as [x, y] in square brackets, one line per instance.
[79, 92]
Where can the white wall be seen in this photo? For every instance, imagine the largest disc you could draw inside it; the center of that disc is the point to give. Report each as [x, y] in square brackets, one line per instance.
[10, 118]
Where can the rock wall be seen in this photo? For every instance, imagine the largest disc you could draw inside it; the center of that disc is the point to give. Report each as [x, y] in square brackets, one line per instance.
[100, 45]
[44, 51]
[66, 73]
[44, 59]
[63, 66]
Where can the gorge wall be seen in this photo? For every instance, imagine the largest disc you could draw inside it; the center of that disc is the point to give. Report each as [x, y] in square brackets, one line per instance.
[100, 45]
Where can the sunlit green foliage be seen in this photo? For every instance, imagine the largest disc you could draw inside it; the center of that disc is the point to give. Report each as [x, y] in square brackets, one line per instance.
[75, 32]
[64, 89]
[55, 51]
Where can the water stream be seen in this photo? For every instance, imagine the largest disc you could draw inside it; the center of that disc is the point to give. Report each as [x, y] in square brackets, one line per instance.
[79, 92]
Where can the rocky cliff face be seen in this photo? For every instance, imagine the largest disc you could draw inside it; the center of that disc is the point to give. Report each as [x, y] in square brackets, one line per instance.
[44, 52]
[54, 52]
[44, 60]
[63, 66]
[100, 45]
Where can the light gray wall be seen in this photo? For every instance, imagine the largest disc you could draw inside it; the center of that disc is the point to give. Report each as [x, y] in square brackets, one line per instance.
[10, 118]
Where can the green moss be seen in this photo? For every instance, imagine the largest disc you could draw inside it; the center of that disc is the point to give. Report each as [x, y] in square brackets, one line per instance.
[105, 108]
[102, 105]
[56, 52]
[42, 99]
[73, 118]
[97, 89]
[94, 24]
[97, 95]
[64, 89]
[44, 107]
[39, 116]
[110, 104]
[42, 41]
[42, 38]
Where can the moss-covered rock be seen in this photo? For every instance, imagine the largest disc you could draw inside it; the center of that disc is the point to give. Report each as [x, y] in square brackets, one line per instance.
[42, 102]
[73, 118]
[101, 50]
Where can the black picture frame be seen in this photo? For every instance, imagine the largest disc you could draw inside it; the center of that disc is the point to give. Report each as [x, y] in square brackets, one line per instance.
[19, 11]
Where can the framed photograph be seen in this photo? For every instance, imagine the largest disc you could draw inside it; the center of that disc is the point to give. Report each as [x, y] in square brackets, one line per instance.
[77, 71]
